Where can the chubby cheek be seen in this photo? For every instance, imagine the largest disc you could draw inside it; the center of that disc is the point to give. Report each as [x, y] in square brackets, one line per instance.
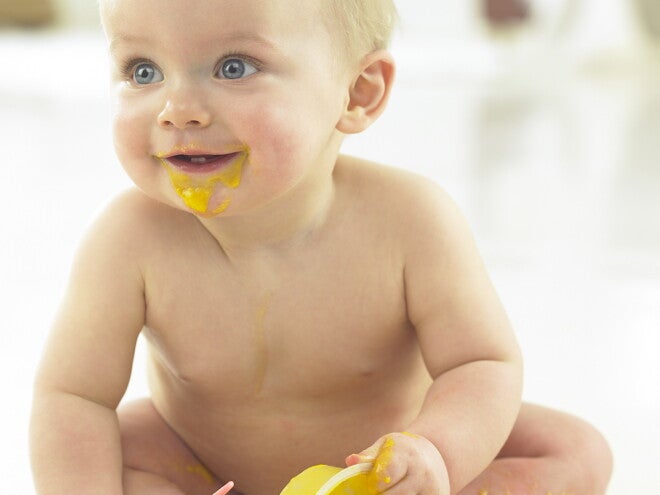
[284, 142]
[131, 139]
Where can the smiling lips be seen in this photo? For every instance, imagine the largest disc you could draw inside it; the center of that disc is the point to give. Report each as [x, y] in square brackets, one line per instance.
[200, 163]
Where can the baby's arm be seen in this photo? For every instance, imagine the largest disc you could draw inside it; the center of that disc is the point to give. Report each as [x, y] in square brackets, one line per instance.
[468, 347]
[75, 445]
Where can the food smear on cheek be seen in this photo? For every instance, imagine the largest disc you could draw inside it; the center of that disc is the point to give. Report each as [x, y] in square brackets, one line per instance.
[196, 192]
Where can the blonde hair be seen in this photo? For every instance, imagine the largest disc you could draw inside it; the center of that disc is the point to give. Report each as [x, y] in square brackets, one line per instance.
[363, 25]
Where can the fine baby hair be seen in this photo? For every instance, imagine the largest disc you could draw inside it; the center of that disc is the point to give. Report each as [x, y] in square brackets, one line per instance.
[365, 25]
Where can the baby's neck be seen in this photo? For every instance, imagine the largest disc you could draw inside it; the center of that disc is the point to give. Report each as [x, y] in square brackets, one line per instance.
[281, 225]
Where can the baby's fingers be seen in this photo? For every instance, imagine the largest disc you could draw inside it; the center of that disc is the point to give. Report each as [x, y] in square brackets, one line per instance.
[388, 470]
[367, 455]
[408, 464]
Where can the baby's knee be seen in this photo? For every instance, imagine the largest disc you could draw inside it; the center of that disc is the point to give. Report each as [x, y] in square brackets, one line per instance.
[136, 429]
[592, 452]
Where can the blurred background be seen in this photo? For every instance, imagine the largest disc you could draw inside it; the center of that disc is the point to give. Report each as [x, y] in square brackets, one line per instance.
[540, 117]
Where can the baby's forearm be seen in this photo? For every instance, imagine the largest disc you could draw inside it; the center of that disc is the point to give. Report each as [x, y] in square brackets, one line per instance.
[468, 414]
[75, 446]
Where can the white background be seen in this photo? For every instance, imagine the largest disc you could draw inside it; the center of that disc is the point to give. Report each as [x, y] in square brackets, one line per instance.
[549, 139]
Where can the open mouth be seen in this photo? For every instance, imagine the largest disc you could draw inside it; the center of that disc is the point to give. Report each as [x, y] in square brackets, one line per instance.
[201, 163]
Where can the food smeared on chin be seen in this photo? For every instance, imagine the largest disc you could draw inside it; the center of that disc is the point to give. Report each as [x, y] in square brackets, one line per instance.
[196, 177]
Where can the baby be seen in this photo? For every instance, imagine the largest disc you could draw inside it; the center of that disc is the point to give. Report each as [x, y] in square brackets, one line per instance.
[301, 307]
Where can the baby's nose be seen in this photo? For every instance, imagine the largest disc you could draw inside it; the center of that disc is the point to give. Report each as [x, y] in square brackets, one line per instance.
[184, 114]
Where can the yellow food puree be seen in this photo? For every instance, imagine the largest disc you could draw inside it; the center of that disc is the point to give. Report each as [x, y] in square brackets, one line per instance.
[196, 193]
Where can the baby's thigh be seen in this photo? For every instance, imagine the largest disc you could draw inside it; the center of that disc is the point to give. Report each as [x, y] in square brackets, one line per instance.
[150, 446]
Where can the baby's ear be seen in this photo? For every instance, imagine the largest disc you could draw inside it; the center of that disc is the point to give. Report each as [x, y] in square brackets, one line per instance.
[368, 93]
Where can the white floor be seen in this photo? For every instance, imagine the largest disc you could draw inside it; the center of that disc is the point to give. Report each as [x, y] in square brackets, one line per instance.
[555, 163]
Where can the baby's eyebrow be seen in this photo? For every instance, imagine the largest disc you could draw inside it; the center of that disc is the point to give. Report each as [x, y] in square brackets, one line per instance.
[247, 38]
[122, 38]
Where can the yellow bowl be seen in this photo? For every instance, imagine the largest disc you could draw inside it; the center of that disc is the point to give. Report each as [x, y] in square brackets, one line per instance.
[330, 480]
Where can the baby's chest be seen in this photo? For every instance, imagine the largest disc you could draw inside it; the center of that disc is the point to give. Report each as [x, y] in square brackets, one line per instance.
[313, 332]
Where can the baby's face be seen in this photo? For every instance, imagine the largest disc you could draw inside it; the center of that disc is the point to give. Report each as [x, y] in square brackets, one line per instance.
[222, 105]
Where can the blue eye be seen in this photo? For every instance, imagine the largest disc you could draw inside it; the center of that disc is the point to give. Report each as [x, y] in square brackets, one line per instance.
[147, 73]
[236, 68]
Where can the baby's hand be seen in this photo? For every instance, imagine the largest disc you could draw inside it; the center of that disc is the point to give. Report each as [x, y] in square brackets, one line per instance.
[404, 464]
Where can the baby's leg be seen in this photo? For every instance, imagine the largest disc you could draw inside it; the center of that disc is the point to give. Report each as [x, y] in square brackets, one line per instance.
[156, 461]
[548, 452]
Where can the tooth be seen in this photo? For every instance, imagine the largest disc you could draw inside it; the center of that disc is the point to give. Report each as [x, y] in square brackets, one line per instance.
[198, 159]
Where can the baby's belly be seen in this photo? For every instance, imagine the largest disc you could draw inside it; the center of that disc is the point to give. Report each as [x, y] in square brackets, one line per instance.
[261, 441]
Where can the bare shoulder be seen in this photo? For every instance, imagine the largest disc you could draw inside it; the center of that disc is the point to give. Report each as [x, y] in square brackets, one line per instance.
[416, 216]
[124, 237]
[133, 222]
[131, 209]
[411, 203]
